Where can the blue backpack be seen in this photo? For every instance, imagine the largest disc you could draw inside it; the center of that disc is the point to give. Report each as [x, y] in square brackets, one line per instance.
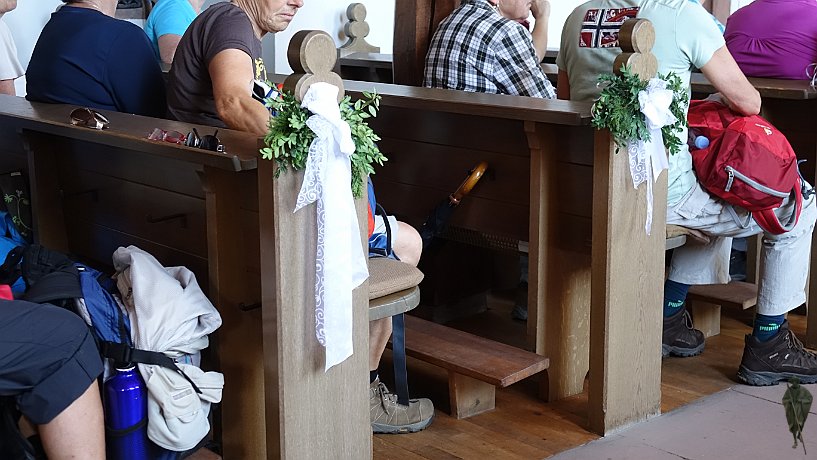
[109, 322]
[12, 245]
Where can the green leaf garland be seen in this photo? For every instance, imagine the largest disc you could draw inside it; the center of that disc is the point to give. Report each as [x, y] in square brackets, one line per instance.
[288, 138]
[618, 110]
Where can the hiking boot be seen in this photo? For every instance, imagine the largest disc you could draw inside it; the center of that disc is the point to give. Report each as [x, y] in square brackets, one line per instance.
[778, 359]
[388, 416]
[680, 338]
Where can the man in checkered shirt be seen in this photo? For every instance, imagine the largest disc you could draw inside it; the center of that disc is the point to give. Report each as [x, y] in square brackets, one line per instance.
[477, 49]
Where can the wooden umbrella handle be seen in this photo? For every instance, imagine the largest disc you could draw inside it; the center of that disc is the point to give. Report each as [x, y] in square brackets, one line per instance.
[465, 187]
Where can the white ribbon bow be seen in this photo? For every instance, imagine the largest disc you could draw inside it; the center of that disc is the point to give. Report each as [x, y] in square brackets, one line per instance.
[340, 265]
[648, 159]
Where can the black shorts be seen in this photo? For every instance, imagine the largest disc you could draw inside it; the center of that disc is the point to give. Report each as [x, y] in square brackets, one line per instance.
[48, 358]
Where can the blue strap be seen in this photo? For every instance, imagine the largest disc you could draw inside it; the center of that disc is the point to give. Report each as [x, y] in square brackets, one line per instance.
[398, 347]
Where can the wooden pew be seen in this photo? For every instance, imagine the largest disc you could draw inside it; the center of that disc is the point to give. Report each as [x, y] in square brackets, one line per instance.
[553, 177]
[788, 104]
[96, 190]
[569, 179]
[364, 66]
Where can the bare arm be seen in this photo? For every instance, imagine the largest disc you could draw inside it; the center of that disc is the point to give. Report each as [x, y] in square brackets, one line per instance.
[725, 75]
[7, 87]
[563, 86]
[167, 47]
[541, 13]
[232, 73]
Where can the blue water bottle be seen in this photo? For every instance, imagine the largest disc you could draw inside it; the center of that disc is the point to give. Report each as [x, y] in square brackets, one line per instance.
[696, 140]
[126, 415]
[701, 142]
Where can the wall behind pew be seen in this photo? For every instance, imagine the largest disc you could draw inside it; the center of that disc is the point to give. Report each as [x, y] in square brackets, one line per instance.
[26, 22]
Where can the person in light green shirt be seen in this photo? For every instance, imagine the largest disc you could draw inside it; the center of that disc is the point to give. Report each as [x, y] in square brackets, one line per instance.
[686, 38]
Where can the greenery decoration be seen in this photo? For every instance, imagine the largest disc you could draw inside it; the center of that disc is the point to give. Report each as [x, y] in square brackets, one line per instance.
[618, 110]
[289, 138]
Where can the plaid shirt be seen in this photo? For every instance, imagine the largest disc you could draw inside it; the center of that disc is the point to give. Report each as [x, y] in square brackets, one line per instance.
[476, 49]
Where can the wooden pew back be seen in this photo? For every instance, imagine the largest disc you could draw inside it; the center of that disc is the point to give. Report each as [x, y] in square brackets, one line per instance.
[414, 24]
[434, 137]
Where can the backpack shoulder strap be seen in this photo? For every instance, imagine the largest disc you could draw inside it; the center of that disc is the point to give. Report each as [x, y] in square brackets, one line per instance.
[767, 219]
[119, 352]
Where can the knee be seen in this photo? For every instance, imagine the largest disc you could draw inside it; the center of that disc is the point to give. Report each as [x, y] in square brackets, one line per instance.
[809, 213]
[408, 245]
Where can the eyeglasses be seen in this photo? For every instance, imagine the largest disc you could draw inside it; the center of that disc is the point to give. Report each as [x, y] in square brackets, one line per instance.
[811, 73]
[208, 142]
[167, 136]
[89, 118]
[193, 139]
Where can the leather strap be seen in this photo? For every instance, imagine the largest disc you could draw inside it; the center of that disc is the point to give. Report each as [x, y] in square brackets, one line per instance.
[398, 342]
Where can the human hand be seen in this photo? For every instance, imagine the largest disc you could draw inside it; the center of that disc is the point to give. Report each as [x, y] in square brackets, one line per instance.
[540, 9]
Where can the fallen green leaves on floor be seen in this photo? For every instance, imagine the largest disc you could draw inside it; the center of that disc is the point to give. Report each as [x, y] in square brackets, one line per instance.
[797, 403]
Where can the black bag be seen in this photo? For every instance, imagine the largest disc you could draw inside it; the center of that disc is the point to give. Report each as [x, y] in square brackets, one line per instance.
[13, 445]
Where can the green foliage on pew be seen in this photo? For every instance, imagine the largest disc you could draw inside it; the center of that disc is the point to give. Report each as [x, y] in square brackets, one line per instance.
[618, 109]
[289, 138]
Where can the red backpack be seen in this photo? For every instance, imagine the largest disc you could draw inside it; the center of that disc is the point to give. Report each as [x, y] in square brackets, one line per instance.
[748, 163]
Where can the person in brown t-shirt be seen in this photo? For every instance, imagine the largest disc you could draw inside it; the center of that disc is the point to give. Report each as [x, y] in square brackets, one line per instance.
[211, 82]
[219, 58]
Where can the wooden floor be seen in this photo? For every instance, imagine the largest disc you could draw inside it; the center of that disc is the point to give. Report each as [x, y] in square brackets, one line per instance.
[524, 427]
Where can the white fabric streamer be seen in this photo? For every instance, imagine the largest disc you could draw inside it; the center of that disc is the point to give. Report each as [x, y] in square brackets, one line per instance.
[340, 264]
[648, 159]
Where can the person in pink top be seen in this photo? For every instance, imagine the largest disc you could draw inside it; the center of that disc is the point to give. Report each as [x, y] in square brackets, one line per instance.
[774, 38]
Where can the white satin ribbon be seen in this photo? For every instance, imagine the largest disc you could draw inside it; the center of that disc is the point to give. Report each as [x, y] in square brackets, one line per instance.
[340, 264]
[648, 159]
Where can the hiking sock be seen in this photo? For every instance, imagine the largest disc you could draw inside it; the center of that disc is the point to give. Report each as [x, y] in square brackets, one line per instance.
[766, 326]
[675, 294]
[373, 375]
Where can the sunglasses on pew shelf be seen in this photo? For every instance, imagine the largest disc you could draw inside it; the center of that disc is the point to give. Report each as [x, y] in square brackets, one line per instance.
[192, 139]
[208, 142]
[88, 118]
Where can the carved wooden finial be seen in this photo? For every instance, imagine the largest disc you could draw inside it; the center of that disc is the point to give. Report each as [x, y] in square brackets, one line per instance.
[312, 56]
[357, 29]
[636, 38]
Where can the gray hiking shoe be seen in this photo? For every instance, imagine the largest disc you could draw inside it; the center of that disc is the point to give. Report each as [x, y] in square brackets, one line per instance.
[387, 416]
[776, 360]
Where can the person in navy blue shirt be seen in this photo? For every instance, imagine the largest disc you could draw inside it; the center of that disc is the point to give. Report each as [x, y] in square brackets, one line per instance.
[86, 57]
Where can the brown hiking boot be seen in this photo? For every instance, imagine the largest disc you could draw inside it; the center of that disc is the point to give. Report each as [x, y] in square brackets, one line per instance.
[388, 416]
[680, 338]
[778, 359]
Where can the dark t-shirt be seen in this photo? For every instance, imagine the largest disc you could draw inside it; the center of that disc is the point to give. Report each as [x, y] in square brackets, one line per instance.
[189, 87]
[86, 58]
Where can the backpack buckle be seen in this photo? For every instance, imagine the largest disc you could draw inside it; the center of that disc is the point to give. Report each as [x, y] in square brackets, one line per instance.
[118, 352]
[806, 189]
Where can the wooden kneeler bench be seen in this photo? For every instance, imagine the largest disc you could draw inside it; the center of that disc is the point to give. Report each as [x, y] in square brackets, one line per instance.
[476, 365]
[705, 302]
